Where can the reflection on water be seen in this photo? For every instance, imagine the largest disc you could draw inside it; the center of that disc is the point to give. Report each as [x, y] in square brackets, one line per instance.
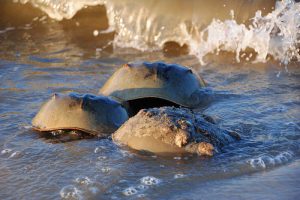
[39, 56]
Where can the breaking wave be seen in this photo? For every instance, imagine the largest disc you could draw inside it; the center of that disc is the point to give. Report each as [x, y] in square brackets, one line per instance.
[254, 30]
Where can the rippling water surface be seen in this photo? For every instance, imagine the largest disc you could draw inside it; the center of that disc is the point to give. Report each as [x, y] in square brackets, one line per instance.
[40, 56]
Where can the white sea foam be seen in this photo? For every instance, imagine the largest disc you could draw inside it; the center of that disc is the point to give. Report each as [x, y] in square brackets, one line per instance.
[268, 161]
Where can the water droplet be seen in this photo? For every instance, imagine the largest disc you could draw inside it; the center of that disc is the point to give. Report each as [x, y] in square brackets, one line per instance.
[96, 33]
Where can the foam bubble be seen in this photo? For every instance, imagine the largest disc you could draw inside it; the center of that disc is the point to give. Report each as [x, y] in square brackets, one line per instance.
[130, 191]
[102, 158]
[150, 180]
[141, 195]
[176, 176]
[142, 187]
[105, 169]
[83, 180]
[71, 192]
[57, 132]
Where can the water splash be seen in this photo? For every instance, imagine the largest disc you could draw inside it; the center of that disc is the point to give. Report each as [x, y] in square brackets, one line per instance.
[272, 30]
[276, 34]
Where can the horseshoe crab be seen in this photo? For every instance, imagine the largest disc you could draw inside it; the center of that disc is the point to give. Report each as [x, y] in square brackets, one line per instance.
[172, 130]
[144, 85]
[96, 115]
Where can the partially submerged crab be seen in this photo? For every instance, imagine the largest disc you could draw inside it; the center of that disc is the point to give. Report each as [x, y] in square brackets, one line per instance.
[144, 85]
[172, 130]
[96, 115]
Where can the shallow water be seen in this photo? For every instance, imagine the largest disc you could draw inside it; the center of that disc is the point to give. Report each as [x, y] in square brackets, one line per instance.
[40, 56]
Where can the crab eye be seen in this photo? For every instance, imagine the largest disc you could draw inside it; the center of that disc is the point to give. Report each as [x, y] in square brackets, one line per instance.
[190, 71]
[161, 64]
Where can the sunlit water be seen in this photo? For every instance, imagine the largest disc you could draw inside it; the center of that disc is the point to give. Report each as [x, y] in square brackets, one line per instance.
[40, 56]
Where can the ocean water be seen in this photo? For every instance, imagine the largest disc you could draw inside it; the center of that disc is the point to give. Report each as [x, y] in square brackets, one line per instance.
[247, 49]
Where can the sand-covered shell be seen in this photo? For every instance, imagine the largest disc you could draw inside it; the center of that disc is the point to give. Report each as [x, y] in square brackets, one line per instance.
[171, 82]
[97, 115]
[172, 130]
